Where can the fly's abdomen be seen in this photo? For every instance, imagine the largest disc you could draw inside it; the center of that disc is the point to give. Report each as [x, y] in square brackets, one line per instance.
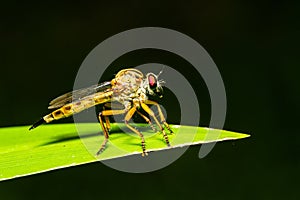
[60, 113]
[78, 106]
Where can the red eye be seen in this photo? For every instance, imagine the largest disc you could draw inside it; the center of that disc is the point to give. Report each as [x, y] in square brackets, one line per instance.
[152, 81]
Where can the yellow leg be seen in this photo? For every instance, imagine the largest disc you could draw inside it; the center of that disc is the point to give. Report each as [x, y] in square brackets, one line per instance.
[111, 105]
[127, 118]
[107, 122]
[151, 113]
[105, 114]
[161, 115]
[116, 105]
[105, 132]
[147, 120]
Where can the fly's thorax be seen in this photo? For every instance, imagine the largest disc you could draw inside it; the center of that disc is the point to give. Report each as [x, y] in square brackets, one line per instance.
[141, 90]
[127, 105]
[134, 72]
[126, 84]
[143, 97]
[142, 93]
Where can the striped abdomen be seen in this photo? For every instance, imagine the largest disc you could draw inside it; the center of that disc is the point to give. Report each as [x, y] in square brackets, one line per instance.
[75, 107]
[78, 106]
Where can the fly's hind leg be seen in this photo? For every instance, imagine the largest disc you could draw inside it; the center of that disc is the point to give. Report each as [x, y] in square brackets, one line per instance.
[106, 118]
[161, 115]
[107, 123]
[104, 114]
[111, 106]
[105, 132]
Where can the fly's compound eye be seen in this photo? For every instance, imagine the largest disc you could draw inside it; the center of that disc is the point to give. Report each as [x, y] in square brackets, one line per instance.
[152, 81]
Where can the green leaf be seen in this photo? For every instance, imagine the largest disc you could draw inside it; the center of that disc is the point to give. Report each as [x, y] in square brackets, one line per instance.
[49, 147]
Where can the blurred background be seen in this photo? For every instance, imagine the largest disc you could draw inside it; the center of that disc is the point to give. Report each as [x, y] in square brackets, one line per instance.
[256, 48]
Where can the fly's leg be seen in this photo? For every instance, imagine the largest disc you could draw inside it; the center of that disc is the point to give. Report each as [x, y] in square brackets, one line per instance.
[161, 115]
[111, 106]
[151, 113]
[105, 132]
[127, 118]
[147, 120]
[105, 114]
[107, 122]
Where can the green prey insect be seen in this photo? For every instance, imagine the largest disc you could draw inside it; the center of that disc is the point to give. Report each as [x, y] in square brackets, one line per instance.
[130, 88]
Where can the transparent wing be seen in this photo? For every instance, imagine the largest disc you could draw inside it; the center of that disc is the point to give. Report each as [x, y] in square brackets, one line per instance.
[78, 94]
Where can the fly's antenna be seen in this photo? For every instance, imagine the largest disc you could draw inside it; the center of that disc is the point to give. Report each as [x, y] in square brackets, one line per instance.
[161, 71]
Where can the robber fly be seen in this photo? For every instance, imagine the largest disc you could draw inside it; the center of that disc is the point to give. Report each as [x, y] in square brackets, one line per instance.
[130, 88]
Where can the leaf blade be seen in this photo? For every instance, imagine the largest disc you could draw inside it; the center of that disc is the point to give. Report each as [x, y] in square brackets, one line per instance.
[56, 146]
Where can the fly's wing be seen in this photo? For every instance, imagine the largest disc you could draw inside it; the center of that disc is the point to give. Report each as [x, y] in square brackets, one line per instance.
[78, 94]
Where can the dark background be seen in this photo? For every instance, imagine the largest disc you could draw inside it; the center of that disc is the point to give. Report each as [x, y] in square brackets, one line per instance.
[256, 48]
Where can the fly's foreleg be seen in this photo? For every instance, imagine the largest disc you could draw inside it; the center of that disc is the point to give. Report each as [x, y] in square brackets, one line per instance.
[104, 114]
[161, 115]
[151, 113]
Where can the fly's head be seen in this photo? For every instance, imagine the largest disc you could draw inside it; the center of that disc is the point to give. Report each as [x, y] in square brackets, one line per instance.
[152, 85]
